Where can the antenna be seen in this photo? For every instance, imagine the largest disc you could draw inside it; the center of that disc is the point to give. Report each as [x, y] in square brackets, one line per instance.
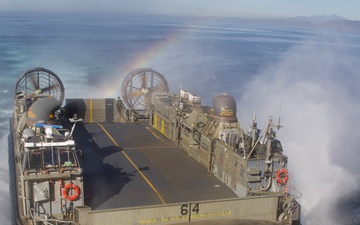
[279, 125]
[254, 130]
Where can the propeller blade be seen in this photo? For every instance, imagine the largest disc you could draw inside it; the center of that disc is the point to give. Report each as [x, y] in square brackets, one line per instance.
[158, 88]
[48, 88]
[135, 94]
[34, 82]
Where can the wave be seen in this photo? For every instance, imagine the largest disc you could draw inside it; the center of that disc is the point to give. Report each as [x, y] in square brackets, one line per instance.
[315, 91]
[5, 210]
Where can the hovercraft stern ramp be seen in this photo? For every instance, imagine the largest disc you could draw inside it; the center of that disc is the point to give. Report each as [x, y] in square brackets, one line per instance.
[263, 208]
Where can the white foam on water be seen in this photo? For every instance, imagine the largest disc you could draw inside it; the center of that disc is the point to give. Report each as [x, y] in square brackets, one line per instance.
[4, 182]
[316, 87]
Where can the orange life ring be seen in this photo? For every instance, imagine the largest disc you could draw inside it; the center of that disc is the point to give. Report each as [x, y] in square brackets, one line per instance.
[282, 176]
[65, 192]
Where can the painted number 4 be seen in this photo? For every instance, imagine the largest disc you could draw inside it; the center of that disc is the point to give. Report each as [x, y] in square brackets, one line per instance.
[189, 208]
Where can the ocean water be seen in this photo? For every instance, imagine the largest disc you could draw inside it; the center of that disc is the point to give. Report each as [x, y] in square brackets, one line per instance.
[308, 77]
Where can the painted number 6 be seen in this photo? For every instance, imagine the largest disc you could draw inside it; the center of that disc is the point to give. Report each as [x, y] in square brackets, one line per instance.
[184, 210]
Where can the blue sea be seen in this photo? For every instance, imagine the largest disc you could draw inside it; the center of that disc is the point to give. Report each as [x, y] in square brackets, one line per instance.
[308, 76]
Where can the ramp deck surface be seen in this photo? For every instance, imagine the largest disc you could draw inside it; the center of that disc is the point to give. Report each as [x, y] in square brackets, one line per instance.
[131, 164]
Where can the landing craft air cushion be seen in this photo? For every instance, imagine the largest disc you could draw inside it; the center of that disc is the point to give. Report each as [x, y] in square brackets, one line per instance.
[149, 157]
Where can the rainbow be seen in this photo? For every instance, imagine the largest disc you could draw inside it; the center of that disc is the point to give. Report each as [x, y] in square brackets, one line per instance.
[143, 59]
[146, 58]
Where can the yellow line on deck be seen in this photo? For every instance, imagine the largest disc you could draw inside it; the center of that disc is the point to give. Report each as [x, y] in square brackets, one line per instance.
[157, 136]
[154, 147]
[134, 165]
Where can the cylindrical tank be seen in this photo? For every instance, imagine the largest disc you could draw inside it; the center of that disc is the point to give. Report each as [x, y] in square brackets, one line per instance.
[42, 110]
[224, 108]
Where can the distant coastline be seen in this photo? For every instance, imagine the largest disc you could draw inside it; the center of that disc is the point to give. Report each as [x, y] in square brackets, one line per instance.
[332, 22]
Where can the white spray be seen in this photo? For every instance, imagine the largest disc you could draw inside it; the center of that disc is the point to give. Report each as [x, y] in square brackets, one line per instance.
[4, 182]
[317, 86]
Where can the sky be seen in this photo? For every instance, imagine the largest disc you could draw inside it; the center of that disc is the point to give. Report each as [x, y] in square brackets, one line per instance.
[348, 9]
